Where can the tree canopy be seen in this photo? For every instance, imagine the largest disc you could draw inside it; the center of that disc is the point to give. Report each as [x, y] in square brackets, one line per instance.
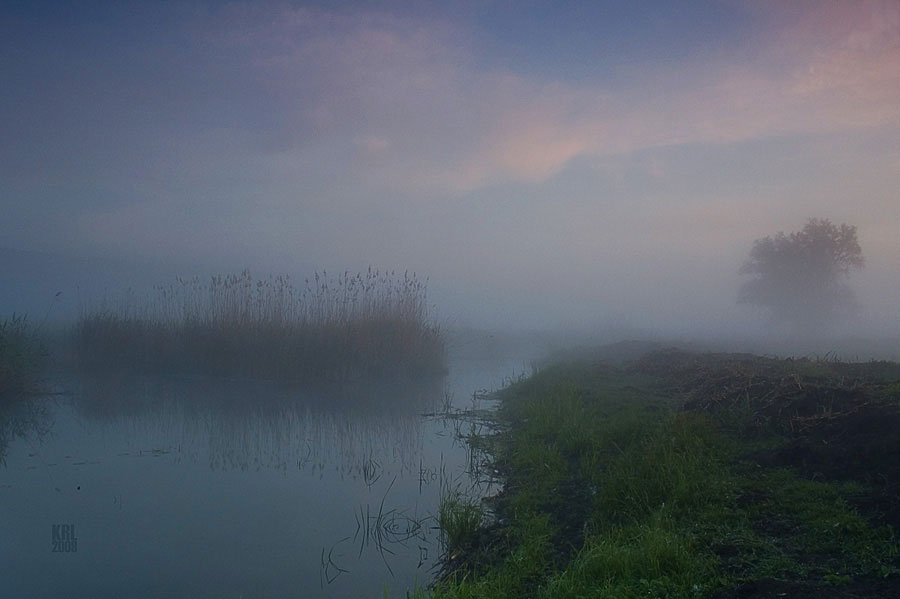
[802, 277]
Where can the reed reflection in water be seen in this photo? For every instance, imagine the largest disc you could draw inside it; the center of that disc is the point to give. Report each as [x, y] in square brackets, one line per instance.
[251, 425]
[234, 487]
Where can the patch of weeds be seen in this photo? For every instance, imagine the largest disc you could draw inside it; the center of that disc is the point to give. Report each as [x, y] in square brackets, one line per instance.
[526, 562]
[640, 560]
[459, 519]
[674, 465]
[893, 391]
[812, 524]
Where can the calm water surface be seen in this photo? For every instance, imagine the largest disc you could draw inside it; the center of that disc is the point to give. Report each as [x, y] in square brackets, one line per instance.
[192, 488]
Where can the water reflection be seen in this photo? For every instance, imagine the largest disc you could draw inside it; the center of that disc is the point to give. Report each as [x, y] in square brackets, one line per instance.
[28, 419]
[234, 488]
[249, 425]
[388, 531]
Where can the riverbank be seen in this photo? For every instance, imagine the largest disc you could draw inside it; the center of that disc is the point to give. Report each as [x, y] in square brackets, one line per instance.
[689, 475]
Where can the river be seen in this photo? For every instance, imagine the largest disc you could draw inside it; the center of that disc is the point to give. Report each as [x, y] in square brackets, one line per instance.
[160, 487]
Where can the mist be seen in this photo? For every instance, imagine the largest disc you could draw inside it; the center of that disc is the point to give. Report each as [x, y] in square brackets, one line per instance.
[619, 190]
[445, 198]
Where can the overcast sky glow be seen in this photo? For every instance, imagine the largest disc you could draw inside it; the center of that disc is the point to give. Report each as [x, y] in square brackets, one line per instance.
[542, 163]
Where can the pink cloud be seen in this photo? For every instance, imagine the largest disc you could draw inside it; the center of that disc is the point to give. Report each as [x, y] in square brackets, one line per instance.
[834, 68]
[412, 92]
[818, 73]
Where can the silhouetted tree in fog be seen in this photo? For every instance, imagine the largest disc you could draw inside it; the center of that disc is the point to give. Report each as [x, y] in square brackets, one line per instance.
[801, 277]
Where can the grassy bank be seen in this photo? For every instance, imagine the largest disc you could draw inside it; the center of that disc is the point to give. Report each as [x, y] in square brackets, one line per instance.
[21, 358]
[368, 326]
[683, 475]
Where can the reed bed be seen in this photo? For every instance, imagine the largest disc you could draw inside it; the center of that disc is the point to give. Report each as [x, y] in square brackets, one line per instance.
[369, 326]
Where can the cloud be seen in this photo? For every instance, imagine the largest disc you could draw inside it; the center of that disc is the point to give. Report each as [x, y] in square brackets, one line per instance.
[372, 143]
[409, 104]
[413, 92]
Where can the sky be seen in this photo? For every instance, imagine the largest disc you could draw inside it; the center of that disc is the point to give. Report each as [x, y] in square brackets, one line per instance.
[596, 164]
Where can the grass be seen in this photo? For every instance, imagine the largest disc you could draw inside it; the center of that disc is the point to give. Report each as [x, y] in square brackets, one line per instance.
[459, 519]
[631, 482]
[21, 358]
[368, 326]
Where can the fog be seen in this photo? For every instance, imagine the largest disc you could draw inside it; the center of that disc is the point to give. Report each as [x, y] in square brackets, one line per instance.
[209, 398]
[591, 171]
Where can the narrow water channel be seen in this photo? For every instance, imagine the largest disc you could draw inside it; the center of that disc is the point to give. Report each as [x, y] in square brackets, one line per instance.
[189, 488]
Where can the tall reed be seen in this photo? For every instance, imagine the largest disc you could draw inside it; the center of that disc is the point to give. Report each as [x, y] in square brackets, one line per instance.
[372, 325]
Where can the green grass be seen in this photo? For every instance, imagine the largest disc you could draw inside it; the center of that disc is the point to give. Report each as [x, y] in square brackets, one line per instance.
[21, 358]
[615, 490]
[368, 326]
[459, 519]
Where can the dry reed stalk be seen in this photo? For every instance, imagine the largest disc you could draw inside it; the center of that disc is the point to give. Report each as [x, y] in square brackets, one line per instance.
[365, 325]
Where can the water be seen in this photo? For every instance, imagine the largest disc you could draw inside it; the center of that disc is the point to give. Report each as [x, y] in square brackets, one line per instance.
[186, 488]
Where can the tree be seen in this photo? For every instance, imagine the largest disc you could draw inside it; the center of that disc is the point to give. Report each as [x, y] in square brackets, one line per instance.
[801, 277]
